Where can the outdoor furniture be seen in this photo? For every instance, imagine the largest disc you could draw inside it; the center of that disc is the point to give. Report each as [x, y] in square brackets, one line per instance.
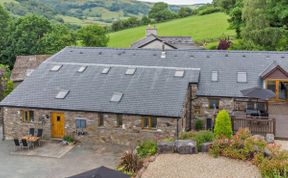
[31, 139]
[16, 144]
[39, 135]
[25, 144]
[32, 131]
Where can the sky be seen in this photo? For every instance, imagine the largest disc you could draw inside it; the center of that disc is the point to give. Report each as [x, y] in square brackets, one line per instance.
[180, 2]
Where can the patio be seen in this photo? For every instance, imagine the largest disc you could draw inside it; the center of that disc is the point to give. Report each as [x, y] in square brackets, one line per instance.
[50, 149]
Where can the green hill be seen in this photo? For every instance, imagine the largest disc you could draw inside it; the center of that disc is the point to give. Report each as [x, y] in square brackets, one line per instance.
[208, 27]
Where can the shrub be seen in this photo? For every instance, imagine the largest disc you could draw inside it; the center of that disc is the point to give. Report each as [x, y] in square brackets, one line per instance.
[168, 139]
[130, 163]
[199, 125]
[200, 137]
[223, 126]
[68, 139]
[187, 135]
[147, 148]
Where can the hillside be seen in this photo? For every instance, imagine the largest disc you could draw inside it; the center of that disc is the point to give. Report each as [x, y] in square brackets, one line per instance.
[79, 12]
[209, 28]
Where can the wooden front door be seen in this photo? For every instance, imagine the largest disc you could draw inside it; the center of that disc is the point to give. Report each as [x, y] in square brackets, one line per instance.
[57, 125]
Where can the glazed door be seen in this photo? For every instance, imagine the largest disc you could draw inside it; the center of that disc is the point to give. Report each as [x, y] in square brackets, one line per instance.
[57, 125]
[280, 88]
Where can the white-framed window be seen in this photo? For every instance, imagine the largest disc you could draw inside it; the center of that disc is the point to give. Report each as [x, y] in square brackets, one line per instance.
[214, 76]
[130, 71]
[179, 73]
[241, 77]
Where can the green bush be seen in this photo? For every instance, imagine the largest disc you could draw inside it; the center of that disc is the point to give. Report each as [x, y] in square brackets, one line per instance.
[208, 10]
[200, 137]
[147, 148]
[68, 139]
[223, 126]
[199, 124]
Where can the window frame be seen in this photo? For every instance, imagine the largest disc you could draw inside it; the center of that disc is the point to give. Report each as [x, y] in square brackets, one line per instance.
[149, 122]
[27, 116]
[209, 103]
[238, 81]
[119, 121]
[217, 75]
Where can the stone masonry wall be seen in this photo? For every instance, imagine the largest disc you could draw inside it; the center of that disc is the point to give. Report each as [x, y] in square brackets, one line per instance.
[130, 133]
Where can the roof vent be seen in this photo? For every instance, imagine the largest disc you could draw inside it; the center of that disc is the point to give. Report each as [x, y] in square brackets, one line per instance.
[56, 68]
[154, 54]
[100, 53]
[208, 56]
[282, 57]
[226, 55]
[62, 94]
[179, 73]
[71, 51]
[130, 71]
[116, 97]
[192, 56]
[82, 69]
[81, 52]
[243, 55]
[267, 57]
[106, 70]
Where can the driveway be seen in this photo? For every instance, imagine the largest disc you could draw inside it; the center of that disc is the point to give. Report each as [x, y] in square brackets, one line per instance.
[81, 158]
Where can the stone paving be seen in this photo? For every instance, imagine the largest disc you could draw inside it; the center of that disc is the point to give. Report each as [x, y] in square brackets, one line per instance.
[80, 159]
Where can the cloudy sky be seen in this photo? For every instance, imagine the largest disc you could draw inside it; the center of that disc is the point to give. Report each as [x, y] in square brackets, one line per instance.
[186, 2]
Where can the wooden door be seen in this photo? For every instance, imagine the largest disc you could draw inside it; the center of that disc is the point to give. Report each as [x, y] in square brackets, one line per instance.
[57, 125]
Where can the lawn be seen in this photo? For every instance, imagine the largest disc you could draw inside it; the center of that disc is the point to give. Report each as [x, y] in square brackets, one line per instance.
[7, 1]
[202, 28]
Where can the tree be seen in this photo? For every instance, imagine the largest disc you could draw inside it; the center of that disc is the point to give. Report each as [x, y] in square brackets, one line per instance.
[4, 22]
[25, 37]
[184, 12]
[160, 12]
[93, 35]
[59, 37]
[223, 126]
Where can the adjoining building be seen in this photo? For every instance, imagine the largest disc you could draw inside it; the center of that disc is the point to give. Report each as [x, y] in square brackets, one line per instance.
[24, 66]
[154, 41]
[126, 95]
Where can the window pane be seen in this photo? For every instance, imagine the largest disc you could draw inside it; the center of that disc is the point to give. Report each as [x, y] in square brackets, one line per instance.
[25, 116]
[119, 121]
[241, 77]
[214, 103]
[214, 76]
[153, 122]
[31, 114]
[101, 120]
[145, 122]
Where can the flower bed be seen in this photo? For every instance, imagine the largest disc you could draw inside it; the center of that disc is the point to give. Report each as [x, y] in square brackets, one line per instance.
[271, 161]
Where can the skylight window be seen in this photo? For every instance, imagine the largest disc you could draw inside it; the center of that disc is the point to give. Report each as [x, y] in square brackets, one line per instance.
[214, 76]
[116, 97]
[242, 77]
[179, 73]
[56, 68]
[62, 94]
[106, 70]
[130, 71]
[82, 69]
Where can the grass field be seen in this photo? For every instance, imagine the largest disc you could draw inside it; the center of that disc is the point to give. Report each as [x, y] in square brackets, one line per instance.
[202, 28]
[6, 1]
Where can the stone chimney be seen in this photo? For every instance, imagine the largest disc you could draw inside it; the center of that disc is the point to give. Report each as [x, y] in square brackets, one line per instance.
[151, 30]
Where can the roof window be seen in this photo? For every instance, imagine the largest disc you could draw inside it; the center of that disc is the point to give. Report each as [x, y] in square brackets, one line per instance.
[116, 97]
[82, 69]
[56, 68]
[62, 94]
[179, 73]
[105, 70]
[242, 77]
[130, 71]
[214, 76]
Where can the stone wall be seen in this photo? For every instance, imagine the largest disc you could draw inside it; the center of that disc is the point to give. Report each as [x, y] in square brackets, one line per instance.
[201, 110]
[130, 133]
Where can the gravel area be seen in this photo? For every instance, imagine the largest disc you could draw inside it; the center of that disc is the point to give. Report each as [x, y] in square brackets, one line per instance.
[199, 166]
[283, 143]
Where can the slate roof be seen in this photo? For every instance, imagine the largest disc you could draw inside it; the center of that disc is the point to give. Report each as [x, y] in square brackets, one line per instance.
[271, 67]
[152, 90]
[25, 65]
